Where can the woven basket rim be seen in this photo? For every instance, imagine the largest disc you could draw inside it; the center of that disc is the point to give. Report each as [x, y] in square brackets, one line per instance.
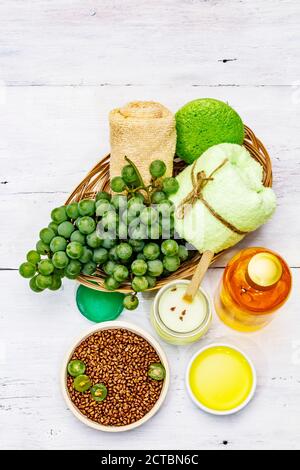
[97, 179]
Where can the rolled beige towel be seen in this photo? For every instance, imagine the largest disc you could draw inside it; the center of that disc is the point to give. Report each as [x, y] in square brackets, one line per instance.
[143, 131]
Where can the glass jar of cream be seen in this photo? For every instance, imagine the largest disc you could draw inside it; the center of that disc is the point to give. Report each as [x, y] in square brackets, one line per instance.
[177, 321]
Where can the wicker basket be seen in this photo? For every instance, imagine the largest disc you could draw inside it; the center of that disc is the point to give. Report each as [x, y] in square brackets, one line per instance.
[98, 179]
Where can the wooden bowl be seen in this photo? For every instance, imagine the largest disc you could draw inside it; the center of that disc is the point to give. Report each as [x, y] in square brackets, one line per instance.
[108, 326]
[98, 179]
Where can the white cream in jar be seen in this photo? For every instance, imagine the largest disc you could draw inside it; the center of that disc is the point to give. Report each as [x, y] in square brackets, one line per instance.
[176, 320]
[178, 314]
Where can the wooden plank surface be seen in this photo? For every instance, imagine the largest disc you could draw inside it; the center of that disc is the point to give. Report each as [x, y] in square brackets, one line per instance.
[140, 42]
[63, 66]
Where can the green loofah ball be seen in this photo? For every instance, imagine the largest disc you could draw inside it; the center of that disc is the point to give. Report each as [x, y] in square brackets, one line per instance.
[203, 123]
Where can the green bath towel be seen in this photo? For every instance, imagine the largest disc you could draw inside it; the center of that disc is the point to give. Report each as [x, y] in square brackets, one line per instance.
[236, 194]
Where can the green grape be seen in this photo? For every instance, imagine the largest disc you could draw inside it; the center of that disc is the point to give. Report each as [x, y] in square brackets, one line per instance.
[58, 244]
[165, 273]
[130, 302]
[120, 273]
[117, 184]
[74, 250]
[59, 215]
[109, 221]
[122, 231]
[60, 259]
[103, 207]
[157, 168]
[133, 213]
[139, 283]
[27, 270]
[158, 196]
[171, 263]
[167, 225]
[70, 276]
[93, 240]
[126, 219]
[77, 236]
[129, 174]
[89, 268]
[72, 210]
[45, 267]
[140, 196]
[112, 254]
[42, 248]
[119, 202]
[65, 229]
[109, 267]
[137, 232]
[53, 227]
[137, 245]
[108, 237]
[103, 195]
[59, 272]
[137, 199]
[124, 251]
[151, 281]
[108, 242]
[151, 251]
[86, 225]
[56, 283]
[110, 283]
[33, 257]
[170, 185]
[155, 267]
[169, 247]
[141, 256]
[33, 286]
[165, 208]
[149, 216]
[155, 231]
[86, 207]
[77, 221]
[183, 253]
[46, 235]
[73, 268]
[100, 255]
[43, 282]
[86, 256]
[139, 267]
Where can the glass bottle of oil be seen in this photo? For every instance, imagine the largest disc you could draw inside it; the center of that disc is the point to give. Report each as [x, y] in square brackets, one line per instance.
[256, 282]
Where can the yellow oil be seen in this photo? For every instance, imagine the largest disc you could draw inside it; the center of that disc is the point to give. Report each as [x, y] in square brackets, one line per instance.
[221, 378]
[255, 283]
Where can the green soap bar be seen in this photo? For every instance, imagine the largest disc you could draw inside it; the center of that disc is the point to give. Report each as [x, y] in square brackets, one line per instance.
[98, 306]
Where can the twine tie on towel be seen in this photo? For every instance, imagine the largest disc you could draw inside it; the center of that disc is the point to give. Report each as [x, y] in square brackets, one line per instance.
[199, 181]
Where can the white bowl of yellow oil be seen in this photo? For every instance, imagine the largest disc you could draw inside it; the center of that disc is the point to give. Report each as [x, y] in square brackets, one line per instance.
[221, 379]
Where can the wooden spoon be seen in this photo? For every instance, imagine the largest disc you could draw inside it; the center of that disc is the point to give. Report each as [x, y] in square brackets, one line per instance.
[198, 276]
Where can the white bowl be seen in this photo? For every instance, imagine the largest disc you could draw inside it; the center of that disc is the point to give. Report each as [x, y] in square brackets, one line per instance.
[134, 329]
[210, 410]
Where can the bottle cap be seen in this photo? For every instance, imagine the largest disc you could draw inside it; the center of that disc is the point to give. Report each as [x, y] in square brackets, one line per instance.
[264, 269]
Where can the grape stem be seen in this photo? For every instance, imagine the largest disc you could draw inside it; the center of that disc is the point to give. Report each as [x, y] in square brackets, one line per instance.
[142, 186]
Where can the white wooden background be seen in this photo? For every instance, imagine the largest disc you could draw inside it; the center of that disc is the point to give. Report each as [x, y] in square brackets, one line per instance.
[63, 65]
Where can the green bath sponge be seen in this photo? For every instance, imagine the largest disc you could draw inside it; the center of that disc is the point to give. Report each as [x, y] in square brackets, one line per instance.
[203, 123]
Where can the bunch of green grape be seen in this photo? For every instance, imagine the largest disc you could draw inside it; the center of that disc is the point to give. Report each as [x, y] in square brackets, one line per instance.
[129, 237]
